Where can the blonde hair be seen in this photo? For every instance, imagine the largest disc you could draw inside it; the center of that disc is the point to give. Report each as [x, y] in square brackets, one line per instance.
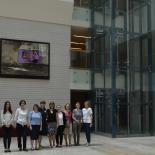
[66, 105]
[88, 103]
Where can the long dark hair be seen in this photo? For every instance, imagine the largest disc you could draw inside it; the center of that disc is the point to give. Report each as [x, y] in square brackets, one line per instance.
[52, 103]
[5, 109]
[36, 105]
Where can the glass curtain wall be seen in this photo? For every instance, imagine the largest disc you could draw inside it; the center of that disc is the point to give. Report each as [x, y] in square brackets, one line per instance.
[122, 49]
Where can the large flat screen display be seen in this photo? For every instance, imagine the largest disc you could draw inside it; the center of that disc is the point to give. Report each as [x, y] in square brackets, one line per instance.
[24, 59]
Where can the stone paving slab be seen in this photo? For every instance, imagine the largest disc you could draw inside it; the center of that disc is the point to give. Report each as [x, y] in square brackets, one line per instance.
[100, 146]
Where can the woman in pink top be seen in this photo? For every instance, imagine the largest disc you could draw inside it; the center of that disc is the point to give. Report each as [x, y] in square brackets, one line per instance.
[68, 127]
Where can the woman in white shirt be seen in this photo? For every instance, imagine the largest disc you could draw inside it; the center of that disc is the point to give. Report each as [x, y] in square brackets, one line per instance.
[21, 118]
[87, 121]
[6, 119]
[61, 122]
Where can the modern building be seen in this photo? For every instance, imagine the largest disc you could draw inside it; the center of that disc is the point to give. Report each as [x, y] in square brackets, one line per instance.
[46, 21]
[100, 50]
[123, 70]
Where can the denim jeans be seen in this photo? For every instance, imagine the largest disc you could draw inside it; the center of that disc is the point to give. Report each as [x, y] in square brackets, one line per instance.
[87, 130]
[7, 137]
[21, 133]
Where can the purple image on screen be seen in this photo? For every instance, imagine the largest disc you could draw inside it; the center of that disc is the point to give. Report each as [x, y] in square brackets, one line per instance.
[29, 56]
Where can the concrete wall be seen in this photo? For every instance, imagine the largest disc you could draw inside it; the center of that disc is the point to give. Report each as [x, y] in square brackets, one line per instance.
[52, 11]
[57, 88]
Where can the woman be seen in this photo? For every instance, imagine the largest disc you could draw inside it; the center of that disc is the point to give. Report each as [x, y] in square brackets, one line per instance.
[21, 118]
[7, 120]
[61, 122]
[43, 132]
[35, 122]
[51, 123]
[87, 121]
[68, 127]
[77, 121]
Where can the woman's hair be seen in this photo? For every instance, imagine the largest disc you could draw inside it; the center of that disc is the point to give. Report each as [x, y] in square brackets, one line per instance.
[88, 103]
[52, 103]
[66, 105]
[35, 105]
[22, 101]
[77, 103]
[5, 107]
[43, 102]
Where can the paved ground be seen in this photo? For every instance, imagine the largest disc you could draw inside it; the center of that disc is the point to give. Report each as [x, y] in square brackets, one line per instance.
[100, 146]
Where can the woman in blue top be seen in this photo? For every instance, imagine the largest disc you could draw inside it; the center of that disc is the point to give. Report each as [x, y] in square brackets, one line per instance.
[35, 120]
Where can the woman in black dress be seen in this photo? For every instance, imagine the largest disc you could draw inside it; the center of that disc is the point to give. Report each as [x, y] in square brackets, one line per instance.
[51, 123]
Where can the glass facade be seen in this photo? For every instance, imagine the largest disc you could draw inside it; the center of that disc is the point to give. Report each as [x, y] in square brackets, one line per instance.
[123, 49]
[82, 3]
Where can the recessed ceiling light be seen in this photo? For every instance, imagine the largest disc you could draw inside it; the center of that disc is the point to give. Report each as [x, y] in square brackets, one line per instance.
[76, 48]
[77, 36]
[77, 43]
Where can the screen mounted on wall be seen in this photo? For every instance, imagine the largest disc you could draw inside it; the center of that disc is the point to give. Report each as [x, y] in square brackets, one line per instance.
[24, 59]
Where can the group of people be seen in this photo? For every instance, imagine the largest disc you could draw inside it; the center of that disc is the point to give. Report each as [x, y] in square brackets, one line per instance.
[55, 121]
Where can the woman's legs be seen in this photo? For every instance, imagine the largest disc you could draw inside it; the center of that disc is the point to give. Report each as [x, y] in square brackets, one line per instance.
[49, 138]
[57, 139]
[5, 138]
[32, 144]
[69, 137]
[54, 139]
[19, 135]
[75, 132]
[87, 131]
[35, 137]
[40, 138]
[66, 136]
[59, 135]
[36, 144]
[8, 136]
[78, 130]
[24, 135]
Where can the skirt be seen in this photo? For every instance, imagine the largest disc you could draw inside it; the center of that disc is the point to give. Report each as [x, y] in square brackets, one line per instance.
[52, 128]
[34, 133]
[44, 129]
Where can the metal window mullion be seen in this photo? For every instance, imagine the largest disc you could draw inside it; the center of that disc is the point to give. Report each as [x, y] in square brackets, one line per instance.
[113, 56]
